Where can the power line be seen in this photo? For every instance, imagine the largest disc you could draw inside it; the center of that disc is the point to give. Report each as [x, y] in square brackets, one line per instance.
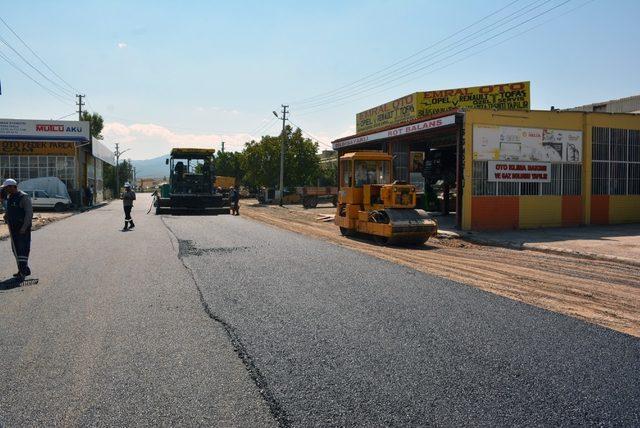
[360, 88]
[54, 94]
[70, 114]
[305, 100]
[37, 56]
[310, 110]
[310, 135]
[401, 76]
[65, 91]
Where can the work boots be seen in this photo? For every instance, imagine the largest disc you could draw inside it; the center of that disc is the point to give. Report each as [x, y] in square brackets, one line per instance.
[126, 225]
[131, 225]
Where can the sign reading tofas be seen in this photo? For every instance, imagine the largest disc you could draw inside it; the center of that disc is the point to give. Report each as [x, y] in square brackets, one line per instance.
[502, 96]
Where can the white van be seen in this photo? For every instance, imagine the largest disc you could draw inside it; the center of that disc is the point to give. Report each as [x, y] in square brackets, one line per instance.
[40, 199]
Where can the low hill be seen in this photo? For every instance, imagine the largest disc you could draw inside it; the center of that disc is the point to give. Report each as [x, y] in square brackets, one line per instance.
[151, 168]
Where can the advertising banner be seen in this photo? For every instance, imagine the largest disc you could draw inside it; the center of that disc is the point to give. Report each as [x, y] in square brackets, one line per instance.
[396, 132]
[37, 148]
[502, 96]
[396, 111]
[526, 144]
[519, 172]
[19, 129]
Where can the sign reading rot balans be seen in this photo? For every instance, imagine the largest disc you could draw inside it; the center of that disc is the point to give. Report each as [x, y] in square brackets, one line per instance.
[519, 172]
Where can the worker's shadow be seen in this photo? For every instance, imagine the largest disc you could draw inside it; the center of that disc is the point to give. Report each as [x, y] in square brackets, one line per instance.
[9, 284]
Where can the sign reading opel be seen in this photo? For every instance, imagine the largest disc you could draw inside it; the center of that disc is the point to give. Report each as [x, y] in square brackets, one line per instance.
[502, 96]
[18, 129]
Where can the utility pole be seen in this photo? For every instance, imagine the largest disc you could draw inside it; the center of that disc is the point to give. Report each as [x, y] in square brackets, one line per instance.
[282, 144]
[222, 148]
[117, 153]
[80, 104]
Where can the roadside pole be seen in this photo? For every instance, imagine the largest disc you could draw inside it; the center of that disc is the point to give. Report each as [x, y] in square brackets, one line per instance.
[117, 153]
[282, 145]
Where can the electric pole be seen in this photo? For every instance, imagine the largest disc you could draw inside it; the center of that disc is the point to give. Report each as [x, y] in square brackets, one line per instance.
[117, 153]
[222, 148]
[80, 104]
[282, 144]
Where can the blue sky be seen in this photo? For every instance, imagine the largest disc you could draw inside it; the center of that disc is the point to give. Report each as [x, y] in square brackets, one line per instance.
[167, 73]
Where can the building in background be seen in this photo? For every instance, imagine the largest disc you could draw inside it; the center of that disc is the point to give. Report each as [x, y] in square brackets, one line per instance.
[503, 167]
[46, 148]
[622, 105]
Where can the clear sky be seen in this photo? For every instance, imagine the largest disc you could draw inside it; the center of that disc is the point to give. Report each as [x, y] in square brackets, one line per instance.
[168, 73]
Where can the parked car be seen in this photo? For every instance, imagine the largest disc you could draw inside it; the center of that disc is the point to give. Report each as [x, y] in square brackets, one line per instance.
[40, 199]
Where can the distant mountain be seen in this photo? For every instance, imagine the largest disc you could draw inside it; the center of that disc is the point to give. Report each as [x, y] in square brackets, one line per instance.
[151, 168]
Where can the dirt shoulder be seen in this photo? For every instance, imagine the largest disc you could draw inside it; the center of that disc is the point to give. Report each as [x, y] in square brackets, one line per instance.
[606, 293]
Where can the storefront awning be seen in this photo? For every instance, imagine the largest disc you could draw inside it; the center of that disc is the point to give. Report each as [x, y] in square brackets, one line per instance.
[398, 131]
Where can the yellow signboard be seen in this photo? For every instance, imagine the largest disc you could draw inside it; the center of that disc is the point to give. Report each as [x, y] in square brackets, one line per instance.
[396, 111]
[37, 148]
[503, 96]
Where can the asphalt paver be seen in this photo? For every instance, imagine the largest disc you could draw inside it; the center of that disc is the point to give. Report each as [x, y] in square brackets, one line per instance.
[115, 334]
[335, 337]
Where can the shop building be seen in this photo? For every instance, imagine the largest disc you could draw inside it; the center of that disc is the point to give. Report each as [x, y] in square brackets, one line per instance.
[513, 168]
[44, 148]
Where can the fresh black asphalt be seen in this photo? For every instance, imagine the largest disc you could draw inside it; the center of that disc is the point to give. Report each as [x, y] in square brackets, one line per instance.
[223, 321]
[343, 339]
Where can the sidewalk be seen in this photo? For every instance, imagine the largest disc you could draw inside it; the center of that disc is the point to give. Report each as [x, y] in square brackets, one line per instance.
[619, 243]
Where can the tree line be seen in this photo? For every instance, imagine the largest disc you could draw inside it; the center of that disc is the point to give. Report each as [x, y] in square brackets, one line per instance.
[257, 165]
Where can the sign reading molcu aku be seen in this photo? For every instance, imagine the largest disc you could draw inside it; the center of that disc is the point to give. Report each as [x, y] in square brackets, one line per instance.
[519, 172]
[31, 130]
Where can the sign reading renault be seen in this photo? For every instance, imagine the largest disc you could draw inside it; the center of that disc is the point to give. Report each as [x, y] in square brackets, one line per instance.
[19, 129]
[502, 96]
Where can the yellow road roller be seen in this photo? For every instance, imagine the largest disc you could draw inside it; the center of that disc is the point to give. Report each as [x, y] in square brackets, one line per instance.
[370, 204]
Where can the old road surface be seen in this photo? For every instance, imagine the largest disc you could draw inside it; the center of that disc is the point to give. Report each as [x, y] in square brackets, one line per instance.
[225, 321]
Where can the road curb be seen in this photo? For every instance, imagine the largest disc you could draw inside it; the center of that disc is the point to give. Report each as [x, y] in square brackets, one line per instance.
[549, 250]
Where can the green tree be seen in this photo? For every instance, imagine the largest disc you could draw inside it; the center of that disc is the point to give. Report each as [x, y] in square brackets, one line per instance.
[261, 161]
[229, 164]
[97, 123]
[329, 174]
[109, 174]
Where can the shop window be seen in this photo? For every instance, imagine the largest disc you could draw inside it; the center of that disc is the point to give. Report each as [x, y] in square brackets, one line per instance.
[571, 179]
[616, 161]
[566, 179]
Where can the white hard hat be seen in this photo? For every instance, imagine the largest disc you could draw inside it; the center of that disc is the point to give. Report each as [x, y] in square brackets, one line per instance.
[9, 182]
[127, 185]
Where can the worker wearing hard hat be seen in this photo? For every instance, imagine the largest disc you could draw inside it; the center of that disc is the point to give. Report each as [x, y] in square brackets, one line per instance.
[127, 202]
[18, 217]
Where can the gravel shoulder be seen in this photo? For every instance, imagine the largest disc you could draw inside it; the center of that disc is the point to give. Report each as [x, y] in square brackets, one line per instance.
[606, 293]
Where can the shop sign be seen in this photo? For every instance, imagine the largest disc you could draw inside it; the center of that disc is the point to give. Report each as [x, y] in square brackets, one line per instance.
[396, 111]
[501, 96]
[519, 172]
[37, 148]
[526, 144]
[396, 132]
[44, 130]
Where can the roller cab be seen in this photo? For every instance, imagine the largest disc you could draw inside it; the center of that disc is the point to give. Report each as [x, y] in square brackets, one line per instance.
[369, 203]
